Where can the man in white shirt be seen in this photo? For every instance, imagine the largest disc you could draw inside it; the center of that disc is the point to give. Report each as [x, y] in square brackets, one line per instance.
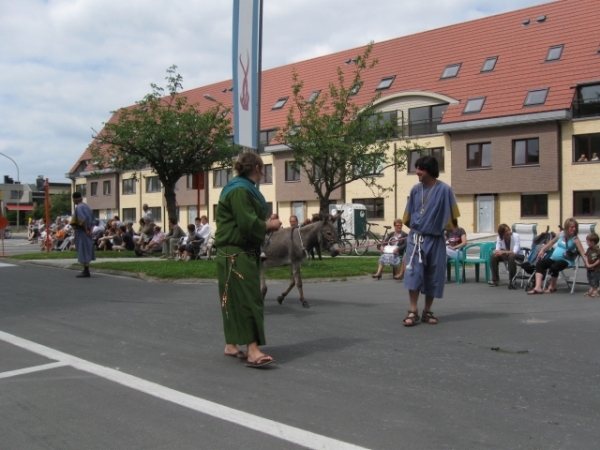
[508, 248]
[146, 214]
[204, 232]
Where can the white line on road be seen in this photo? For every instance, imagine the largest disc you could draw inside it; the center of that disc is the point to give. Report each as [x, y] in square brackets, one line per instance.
[14, 373]
[7, 265]
[255, 423]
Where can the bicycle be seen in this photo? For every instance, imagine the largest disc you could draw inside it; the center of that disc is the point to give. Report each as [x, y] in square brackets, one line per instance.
[369, 238]
[346, 241]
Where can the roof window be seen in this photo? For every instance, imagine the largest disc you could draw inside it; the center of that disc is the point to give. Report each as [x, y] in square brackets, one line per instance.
[313, 96]
[279, 103]
[536, 97]
[451, 71]
[474, 105]
[554, 53]
[489, 64]
[385, 83]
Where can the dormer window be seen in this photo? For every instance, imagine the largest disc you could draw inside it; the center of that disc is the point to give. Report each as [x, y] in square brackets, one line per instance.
[489, 64]
[279, 103]
[554, 53]
[474, 105]
[385, 83]
[451, 71]
[536, 97]
[313, 96]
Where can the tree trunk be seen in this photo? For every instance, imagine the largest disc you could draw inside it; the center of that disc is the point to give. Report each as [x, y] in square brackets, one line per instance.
[171, 199]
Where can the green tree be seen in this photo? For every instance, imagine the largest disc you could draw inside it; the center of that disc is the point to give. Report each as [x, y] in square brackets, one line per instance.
[336, 141]
[60, 205]
[168, 134]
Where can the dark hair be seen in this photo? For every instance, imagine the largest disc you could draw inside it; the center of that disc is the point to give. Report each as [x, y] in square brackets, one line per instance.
[246, 163]
[173, 220]
[76, 195]
[123, 228]
[502, 229]
[593, 237]
[429, 164]
[191, 228]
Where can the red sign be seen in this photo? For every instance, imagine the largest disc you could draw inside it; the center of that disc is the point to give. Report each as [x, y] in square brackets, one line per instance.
[3, 223]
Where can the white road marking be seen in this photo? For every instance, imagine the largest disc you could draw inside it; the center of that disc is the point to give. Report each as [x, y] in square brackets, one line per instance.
[285, 432]
[14, 373]
[7, 265]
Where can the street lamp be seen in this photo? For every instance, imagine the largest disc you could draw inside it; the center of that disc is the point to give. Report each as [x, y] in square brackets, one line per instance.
[19, 191]
[212, 99]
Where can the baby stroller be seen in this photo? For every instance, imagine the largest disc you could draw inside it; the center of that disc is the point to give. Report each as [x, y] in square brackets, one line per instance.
[526, 269]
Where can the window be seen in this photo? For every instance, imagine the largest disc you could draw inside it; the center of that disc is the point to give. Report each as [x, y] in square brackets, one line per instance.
[108, 214]
[437, 153]
[290, 173]
[474, 105]
[385, 83]
[536, 97]
[106, 187]
[82, 189]
[14, 195]
[554, 53]
[96, 213]
[588, 101]
[526, 152]
[425, 119]
[313, 96]
[221, 177]
[129, 186]
[534, 205]
[189, 181]
[267, 174]
[94, 188]
[586, 147]
[265, 139]
[489, 64]
[374, 207]
[156, 212]
[129, 215]
[372, 166]
[386, 124]
[451, 71]
[152, 184]
[479, 155]
[584, 203]
[279, 103]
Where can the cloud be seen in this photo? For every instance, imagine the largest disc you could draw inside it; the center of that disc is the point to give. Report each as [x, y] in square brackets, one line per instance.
[66, 64]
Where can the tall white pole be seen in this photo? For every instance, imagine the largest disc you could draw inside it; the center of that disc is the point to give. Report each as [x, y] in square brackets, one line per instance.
[19, 191]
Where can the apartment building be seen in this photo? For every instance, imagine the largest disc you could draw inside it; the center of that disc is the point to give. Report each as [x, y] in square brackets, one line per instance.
[508, 104]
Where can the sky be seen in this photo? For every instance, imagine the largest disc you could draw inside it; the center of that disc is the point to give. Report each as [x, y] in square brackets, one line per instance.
[66, 64]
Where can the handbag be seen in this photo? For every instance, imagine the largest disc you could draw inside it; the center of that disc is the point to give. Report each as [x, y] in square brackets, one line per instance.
[570, 254]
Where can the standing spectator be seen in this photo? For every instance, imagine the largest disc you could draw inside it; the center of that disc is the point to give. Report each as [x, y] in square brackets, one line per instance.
[147, 213]
[508, 248]
[241, 229]
[592, 262]
[293, 221]
[82, 222]
[429, 211]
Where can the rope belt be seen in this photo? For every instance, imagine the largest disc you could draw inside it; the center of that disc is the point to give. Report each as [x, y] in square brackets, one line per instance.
[231, 257]
[418, 240]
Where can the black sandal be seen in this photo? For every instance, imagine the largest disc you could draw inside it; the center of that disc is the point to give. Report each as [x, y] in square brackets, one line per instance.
[414, 318]
[429, 318]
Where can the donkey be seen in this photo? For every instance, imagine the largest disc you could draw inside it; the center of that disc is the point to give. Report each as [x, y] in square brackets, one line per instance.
[289, 246]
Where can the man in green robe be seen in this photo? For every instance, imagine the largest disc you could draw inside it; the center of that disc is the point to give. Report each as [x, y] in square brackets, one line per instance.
[241, 229]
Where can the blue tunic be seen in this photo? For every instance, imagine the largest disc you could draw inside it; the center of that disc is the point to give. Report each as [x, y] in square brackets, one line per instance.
[426, 249]
[83, 220]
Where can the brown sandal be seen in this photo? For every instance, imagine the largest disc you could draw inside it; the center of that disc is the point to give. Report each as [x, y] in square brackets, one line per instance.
[429, 318]
[413, 319]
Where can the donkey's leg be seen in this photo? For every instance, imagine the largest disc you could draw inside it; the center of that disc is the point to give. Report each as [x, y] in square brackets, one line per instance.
[287, 291]
[298, 278]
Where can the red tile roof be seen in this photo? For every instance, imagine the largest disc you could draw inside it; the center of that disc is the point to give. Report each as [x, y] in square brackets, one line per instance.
[419, 60]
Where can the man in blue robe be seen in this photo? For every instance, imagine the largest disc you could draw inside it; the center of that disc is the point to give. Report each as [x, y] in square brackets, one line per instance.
[429, 211]
[83, 222]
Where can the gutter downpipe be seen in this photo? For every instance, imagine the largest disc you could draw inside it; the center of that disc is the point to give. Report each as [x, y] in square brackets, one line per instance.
[560, 172]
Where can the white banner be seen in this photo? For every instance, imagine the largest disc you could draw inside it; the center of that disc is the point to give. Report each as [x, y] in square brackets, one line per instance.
[246, 71]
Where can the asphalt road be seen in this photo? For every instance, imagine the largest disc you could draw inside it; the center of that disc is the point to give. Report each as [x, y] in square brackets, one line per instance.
[118, 363]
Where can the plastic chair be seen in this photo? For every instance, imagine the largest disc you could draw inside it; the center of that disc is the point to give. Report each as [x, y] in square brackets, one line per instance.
[485, 250]
[457, 262]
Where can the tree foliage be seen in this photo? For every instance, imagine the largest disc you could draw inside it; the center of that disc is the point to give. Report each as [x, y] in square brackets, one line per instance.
[167, 134]
[336, 141]
[60, 205]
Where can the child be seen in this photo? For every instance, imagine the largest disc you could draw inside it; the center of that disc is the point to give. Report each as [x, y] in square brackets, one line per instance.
[592, 262]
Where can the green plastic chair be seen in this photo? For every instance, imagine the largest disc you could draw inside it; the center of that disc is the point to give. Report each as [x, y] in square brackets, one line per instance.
[485, 251]
[457, 263]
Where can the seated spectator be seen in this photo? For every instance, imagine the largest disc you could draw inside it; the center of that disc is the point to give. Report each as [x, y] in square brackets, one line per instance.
[559, 260]
[594, 157]
[110, 239]
[582, 158]
[126, 240]
[58, 237]
[190, 244]
[154, 245]
[146, 232]
[455, 240]
[204, 232]
[171, 239]
[508, 248]
[392, 251]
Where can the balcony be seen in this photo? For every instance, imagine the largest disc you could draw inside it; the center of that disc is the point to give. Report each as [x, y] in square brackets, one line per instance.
[422, 127]
[586, 108]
